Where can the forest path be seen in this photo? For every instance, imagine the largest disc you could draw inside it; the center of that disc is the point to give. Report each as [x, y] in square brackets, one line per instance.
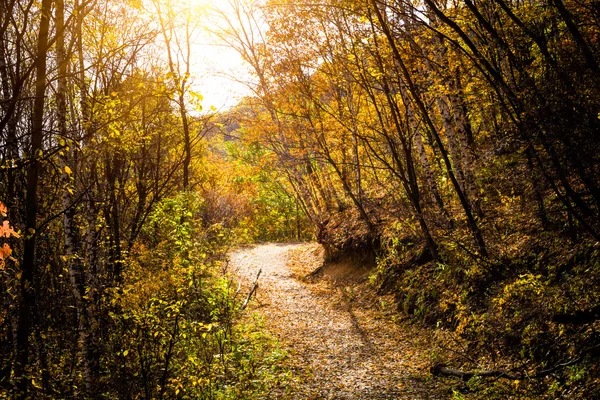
[338, 350]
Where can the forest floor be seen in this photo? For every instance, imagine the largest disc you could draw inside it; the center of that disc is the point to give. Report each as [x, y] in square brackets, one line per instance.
[342, 340]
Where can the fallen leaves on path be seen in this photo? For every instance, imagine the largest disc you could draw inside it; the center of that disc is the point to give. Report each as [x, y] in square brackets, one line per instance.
[339, 347]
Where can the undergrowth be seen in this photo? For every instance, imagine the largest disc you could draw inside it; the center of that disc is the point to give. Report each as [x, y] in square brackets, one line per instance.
[503, 313]
[176, 326]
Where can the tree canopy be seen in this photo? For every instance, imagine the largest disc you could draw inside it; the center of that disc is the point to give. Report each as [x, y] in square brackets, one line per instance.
[454, 142]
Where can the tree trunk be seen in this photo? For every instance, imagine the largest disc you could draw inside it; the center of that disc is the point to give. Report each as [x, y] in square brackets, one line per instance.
[11, 150]
[31, 203]
[474, 228]
[77, 276]
[430, 179]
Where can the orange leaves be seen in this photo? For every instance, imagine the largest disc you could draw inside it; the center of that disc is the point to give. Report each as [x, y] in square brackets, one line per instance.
[5, 252]
[6, 231]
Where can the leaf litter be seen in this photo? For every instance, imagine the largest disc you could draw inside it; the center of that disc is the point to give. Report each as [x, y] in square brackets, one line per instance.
[342, 340]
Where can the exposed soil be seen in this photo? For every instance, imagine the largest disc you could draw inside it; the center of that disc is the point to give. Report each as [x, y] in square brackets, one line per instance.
[342, 342]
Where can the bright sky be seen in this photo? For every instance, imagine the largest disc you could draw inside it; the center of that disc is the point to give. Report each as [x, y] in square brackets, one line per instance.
[217, 70]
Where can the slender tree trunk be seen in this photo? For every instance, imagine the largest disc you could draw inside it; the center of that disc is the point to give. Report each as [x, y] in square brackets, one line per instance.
[430, 126]
[113, 216]
[539, 198]
[460, 161]
[355, 148]
[181, 88]
[187, 143]
[456, 126]
[411, 184]
[331, 188]
[77, 276]
[321, 197]
[430, 179]
[11, 150]
[31, 203]
[461, 115]
[348, 190]
[450, 134]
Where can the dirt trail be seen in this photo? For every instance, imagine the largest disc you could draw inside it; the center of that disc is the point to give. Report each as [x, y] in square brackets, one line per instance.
[338, 350]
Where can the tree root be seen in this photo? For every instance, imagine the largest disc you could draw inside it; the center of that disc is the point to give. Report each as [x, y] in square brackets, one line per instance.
[441, 369]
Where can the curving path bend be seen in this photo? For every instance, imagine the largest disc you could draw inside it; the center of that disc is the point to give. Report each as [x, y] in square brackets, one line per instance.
[337, 351]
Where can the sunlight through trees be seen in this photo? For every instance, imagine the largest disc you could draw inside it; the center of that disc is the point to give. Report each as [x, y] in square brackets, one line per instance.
[454, 143]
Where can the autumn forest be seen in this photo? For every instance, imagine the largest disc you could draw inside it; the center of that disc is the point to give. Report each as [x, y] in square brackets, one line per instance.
[450, 149]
